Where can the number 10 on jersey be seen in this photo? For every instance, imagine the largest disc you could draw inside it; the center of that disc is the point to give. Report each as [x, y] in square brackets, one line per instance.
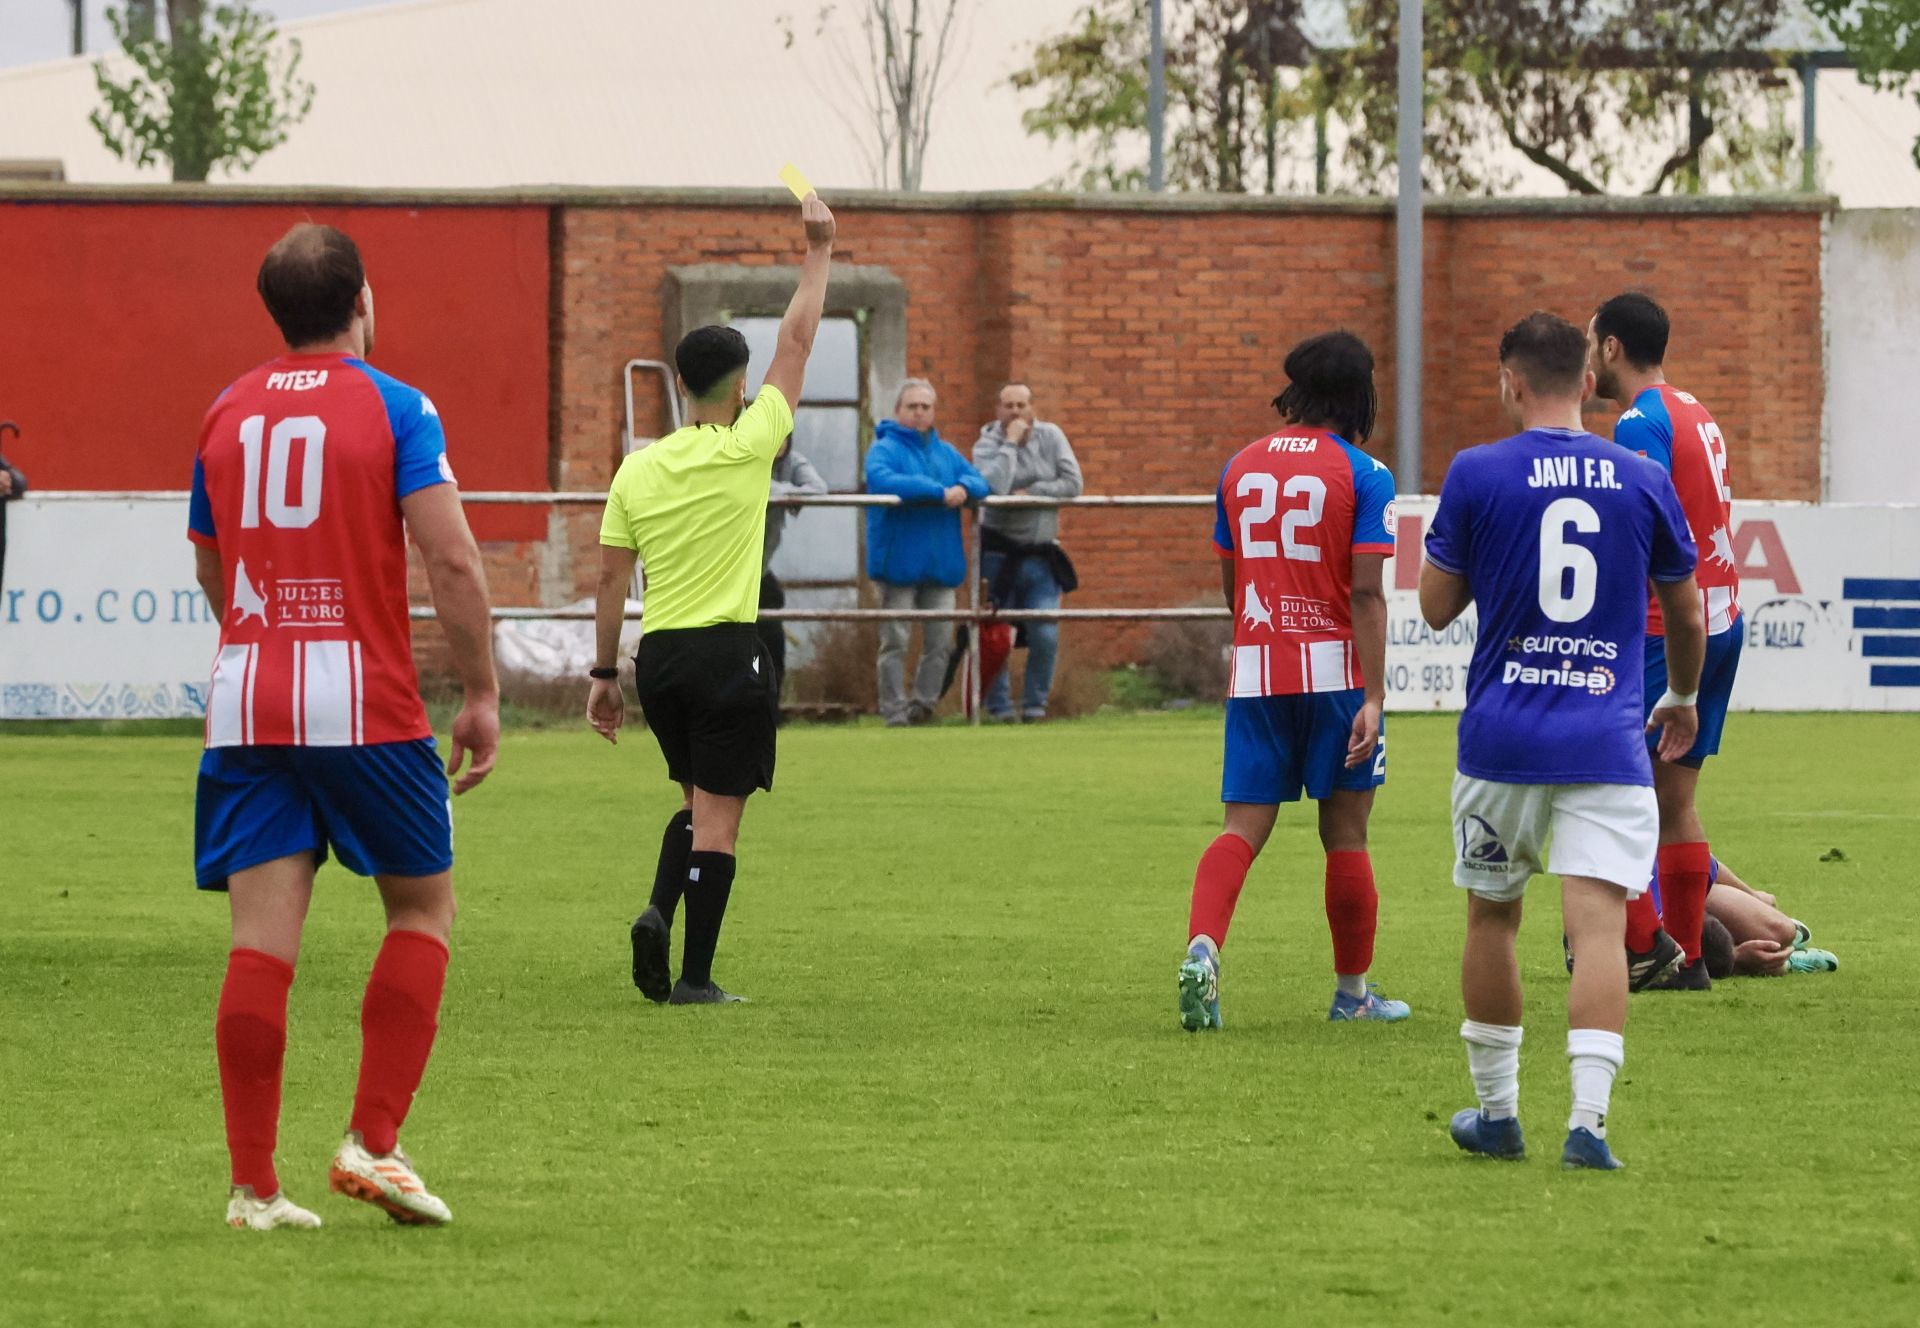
[311, 432]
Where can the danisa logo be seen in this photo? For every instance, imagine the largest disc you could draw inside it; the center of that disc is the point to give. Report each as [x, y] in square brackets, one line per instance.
[1598, 679]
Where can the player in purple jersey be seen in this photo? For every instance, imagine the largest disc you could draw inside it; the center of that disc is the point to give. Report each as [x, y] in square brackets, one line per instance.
[1554, 534]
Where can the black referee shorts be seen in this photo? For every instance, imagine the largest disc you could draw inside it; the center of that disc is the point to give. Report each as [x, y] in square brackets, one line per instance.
[710, 698]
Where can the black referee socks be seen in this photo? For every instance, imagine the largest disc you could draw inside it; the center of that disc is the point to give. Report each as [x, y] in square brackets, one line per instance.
[709, 883]
[670, 874]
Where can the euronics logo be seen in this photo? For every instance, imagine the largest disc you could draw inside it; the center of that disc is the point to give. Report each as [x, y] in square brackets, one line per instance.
[1888, 627]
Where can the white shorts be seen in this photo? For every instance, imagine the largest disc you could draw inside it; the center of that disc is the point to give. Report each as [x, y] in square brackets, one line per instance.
[1610, 832]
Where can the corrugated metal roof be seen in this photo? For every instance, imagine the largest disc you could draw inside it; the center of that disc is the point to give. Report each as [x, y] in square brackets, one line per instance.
[482, 93]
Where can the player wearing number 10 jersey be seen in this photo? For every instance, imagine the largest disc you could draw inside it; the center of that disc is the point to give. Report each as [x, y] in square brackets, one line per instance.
[1626, 348]
[1554, 534]
[1304, 526]
[315, 734]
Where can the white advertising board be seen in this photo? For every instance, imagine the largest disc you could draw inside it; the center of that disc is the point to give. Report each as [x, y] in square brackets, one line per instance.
[100, 617]
[1830, 597]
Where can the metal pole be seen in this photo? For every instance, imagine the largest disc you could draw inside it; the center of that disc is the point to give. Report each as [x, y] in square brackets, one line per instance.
[1156, 102]
[974, 681]
[1809, 127]
[1407, 348]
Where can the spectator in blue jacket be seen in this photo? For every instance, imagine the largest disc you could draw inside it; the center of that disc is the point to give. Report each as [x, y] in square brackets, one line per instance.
[915, 552]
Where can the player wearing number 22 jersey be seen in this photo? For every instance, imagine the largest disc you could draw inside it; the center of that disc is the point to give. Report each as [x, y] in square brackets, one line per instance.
[1303, 526]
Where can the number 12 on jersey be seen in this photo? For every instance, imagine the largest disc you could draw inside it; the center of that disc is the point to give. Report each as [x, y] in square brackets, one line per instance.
[311, 432]
[1266, 492]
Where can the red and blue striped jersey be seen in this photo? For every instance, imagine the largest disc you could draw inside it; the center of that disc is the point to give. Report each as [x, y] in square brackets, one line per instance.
[1667, 425]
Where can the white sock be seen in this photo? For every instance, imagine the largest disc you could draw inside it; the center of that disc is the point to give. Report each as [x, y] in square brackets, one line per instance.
[1351, 984]
[1211, 946]
[1596, 1057]
[1493, 1059]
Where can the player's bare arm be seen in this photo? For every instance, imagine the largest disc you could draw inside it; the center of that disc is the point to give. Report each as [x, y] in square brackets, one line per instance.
[1444, 595]
[458, 585]
[1368, 599]
[802, 320]
[1686, 652]
[606, 707]
[206, 570]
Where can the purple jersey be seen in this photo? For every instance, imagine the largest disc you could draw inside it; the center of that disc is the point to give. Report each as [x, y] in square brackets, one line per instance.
[1557, 534]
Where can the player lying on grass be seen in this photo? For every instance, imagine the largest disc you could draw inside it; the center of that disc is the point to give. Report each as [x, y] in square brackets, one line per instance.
[692, 508]
[307, 468]
[1746, 934]
[1303, 529]
[1555, 534]
[1626, 348]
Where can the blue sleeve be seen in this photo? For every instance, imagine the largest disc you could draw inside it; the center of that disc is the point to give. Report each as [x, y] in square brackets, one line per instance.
[199, 506]
[1222, 527]
[969, 479]
[884, 477]
[1373, 496]
[1674, 554]
[1450, 537]
[1649, 435]
[419, 443]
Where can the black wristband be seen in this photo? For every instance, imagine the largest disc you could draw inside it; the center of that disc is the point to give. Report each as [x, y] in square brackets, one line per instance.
[604, 675]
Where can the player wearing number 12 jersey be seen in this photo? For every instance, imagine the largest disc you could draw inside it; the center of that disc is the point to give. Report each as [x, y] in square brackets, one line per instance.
[1554, 534]
[316, 738]
[1626, 348]
[1303, 528]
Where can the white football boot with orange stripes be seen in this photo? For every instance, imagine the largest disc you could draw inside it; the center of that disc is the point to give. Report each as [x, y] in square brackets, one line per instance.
[246, 1213]
[388, 1182]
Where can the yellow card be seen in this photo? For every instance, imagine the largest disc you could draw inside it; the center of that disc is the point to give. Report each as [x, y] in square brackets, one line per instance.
[790, 176]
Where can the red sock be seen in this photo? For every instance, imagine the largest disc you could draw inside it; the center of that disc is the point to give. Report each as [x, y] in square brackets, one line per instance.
[1353, 909]
[1643, 920]
[250, 1038]
[398, 1019]
[1683, 892]
[1216, 887]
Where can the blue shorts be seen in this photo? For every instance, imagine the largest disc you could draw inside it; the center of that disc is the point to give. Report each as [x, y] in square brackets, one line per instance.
[1276, 745]
[384, 809]
[1716, 688]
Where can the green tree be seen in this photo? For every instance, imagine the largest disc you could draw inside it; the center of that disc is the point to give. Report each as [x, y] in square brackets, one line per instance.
[1882, 36]
[1606, 95]
[217, 91]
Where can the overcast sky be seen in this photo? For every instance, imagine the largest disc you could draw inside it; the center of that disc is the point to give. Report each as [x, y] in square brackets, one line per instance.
[35, 30]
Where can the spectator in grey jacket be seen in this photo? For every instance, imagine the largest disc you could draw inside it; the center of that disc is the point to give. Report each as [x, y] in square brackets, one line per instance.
[793, 474]
[1021, 560]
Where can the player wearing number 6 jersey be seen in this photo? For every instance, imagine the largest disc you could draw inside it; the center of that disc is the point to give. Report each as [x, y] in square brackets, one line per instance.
[316, 738]
[1304, 525]
[1554, 534]
[1626, 347]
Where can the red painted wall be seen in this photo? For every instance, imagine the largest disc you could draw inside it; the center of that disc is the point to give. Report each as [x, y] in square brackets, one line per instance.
[120, 323]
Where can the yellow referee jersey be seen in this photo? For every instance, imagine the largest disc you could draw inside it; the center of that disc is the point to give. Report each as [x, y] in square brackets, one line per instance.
[694, 507]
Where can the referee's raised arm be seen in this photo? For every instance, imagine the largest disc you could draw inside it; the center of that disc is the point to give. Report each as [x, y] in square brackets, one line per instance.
[802, 320]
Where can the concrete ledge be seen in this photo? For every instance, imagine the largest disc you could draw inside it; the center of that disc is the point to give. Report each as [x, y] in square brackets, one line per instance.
[868, 200]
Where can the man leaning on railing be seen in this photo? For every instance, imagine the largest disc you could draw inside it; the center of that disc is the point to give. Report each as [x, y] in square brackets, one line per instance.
[13, 483]
[1021, 561]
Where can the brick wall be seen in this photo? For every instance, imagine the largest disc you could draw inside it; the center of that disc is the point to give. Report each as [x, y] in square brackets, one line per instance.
[1154, 335]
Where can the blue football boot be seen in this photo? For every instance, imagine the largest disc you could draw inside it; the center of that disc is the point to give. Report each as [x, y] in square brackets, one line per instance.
[1497, 1139]
[1587, 1151]
[1372, 1006]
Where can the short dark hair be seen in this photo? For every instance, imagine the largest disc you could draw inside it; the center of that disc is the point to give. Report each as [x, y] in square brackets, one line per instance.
[309, 281]
[707, 357]
[1330, 382]
[1639, 324]
[1548, 352]
[1716, 947]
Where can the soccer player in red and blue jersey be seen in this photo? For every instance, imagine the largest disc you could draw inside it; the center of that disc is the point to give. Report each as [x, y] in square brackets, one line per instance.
[316, 739]
[1626, 347]
[1554, 533]
[1304, 526]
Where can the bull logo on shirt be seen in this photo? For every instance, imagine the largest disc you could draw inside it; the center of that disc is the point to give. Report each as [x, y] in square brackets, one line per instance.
[1255, 610]
[1722, 547]
[248, 602]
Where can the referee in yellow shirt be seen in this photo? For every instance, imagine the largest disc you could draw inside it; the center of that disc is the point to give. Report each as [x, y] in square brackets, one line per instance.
[692, 508]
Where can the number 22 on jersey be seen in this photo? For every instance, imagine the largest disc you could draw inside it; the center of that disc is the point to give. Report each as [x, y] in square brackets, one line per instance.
[1266, 492]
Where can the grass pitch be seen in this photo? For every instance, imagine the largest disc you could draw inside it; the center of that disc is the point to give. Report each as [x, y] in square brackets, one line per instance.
[961, 1095]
